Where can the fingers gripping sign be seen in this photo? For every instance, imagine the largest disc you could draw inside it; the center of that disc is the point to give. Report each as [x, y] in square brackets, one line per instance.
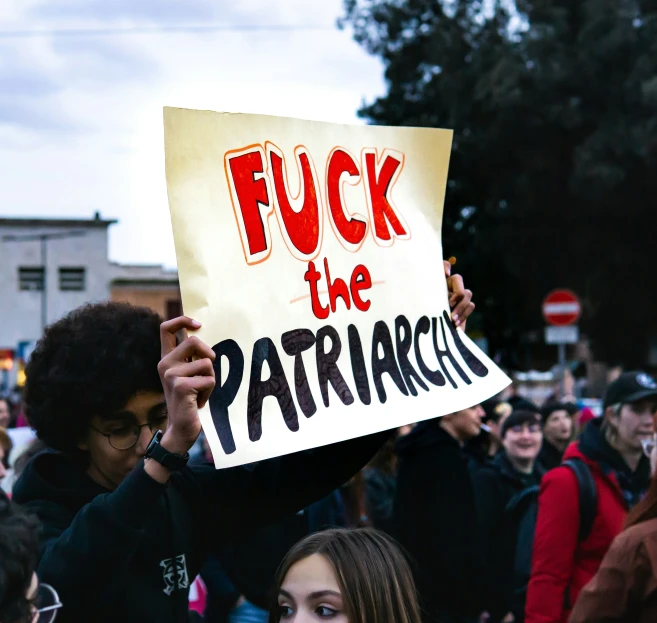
[460, 299]
[188, 380]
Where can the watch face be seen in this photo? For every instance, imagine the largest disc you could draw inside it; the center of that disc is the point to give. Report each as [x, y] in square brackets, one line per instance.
[156, 440]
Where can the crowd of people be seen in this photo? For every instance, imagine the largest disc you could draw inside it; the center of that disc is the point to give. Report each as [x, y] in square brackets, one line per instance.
[500, 513]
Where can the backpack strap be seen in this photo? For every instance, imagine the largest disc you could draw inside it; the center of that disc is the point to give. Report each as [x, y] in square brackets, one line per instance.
[588, 496]
[517, 503]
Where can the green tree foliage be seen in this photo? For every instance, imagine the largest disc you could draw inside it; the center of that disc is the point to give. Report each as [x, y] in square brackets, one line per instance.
[553, 177]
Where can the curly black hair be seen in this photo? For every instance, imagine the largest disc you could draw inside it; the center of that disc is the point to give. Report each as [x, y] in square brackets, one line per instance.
[18, 558]
[90, 362]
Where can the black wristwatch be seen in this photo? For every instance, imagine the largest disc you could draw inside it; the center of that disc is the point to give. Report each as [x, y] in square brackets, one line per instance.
[172, 461]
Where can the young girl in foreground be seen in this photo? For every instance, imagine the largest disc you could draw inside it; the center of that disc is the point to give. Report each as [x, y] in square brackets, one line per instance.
[345, 576]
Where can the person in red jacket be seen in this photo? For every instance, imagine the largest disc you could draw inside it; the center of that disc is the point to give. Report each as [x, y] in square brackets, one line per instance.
[624, 590]
[612, 449]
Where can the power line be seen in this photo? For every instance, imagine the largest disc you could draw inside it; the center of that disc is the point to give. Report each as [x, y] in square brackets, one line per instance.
[154, 30]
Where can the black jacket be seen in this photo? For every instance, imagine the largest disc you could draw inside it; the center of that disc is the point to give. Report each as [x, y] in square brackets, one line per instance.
[550, 456]
[251, 563]
[130, 554]
[380, 497]
[495, 486]
[435, 519]
[248, 567]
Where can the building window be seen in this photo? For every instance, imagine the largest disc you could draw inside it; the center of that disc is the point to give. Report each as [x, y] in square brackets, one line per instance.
[72, 279]
[30, 278]
[174, 309]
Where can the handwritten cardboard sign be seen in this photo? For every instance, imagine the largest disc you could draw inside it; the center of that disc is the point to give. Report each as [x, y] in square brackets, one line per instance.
[311, 253]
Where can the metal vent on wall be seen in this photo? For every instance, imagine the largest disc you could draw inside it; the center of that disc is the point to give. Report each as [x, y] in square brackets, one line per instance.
[31, 278]
[72, 279]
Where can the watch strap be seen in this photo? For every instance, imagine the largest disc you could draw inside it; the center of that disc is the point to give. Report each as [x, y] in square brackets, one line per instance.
[172, 461]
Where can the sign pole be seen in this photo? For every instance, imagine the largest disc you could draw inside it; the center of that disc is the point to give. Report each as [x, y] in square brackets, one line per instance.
[562, 368]
[561, 310]
[44, 290]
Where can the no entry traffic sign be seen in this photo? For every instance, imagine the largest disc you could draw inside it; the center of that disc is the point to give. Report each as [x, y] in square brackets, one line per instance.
[561, 308]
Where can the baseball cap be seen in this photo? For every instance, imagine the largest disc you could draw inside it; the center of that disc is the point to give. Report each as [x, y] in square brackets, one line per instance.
[630, 387]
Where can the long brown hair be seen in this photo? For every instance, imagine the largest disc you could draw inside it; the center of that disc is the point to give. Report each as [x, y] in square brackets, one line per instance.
[646, 509]
[374, 576]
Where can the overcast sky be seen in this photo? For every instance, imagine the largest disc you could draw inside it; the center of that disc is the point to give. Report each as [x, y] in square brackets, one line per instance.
[81, 116]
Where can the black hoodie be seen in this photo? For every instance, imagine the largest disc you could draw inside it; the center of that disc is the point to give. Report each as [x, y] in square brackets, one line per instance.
[435, 519]
[130, 554]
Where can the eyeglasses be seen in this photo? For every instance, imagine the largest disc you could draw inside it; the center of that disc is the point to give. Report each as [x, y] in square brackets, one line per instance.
[127, 436]
[649, 445]
[532, 428]
[47, 603]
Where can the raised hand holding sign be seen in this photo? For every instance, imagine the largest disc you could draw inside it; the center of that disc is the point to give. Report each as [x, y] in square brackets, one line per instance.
[315, 273]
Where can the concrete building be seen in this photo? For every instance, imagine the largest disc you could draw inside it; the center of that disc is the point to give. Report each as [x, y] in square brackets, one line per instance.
[50, 266]
[150, 286]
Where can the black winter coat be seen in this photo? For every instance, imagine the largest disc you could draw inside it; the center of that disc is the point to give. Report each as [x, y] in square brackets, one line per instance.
[435, 519]
[380, 497]
[252, 563]
[549, 457]
[495, 486]
[130, 554]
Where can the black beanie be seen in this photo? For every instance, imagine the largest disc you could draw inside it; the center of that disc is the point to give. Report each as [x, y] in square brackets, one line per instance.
[518, 418]
[551, 407]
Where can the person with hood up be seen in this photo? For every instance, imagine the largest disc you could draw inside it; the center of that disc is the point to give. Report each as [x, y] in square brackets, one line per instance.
[558, 428]
[435, 516]
[564, 560]
[513, 471]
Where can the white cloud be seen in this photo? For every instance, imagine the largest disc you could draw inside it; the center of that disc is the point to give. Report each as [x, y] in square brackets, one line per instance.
[81, 128]
[161, 10]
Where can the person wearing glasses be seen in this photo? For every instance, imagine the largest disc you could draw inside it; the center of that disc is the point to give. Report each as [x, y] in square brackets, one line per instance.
[127, 524]
[123, 535]
[22, 598]
[565, 558]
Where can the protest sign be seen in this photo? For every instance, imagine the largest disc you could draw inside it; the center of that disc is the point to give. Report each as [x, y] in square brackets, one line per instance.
[311, 253]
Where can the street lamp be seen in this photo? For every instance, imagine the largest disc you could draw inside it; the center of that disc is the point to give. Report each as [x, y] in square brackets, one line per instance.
[43, 239]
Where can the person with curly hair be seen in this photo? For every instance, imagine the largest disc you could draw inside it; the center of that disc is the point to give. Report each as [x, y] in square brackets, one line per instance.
[130, 529]
[116, 397]
[22, 598]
